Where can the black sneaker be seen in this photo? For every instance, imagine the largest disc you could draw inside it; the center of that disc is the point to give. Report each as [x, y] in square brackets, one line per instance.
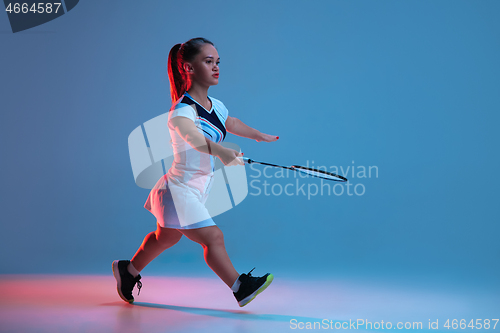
[251, 286]
[125, 281]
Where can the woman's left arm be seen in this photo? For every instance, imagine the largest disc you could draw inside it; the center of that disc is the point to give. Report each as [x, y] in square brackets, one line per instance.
[237, 127]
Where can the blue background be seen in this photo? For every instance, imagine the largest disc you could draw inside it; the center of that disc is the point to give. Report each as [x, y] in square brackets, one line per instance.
[408, 86]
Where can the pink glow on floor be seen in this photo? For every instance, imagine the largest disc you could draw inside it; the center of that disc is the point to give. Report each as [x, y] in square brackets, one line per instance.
[79, 303]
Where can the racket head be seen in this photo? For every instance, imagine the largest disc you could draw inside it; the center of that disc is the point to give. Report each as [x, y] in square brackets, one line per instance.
[319, 173]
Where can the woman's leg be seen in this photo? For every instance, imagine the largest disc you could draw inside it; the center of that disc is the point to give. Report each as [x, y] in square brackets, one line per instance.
[155, 243]
[212, 241]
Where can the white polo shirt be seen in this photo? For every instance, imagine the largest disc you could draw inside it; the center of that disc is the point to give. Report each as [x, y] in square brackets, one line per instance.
[190, 166]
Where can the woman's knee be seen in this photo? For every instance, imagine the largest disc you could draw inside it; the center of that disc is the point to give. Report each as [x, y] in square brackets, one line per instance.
[216, 237]
[167, 236]
[208, 236]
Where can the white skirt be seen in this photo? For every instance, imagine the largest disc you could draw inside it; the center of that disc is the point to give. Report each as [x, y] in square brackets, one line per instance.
[178, 205]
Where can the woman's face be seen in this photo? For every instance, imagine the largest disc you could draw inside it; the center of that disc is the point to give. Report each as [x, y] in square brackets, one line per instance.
[205, 67]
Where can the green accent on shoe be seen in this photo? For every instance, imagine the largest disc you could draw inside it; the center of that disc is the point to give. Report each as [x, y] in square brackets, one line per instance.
[269, 279]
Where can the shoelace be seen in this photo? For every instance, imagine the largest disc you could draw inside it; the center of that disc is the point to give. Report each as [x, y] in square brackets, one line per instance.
[250, 272]
[139, 286]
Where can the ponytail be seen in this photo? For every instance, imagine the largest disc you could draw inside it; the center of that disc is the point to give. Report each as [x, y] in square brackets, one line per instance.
[177, 80]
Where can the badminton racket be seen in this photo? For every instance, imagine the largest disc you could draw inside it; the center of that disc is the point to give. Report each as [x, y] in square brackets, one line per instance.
[309, 171]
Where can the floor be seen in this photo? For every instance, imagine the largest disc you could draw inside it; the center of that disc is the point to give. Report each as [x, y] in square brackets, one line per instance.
[89, 303]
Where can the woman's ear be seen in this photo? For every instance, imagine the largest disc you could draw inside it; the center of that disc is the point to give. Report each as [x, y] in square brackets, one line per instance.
[188, 68]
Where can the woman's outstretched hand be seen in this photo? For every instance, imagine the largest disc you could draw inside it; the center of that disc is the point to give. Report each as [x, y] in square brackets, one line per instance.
[266, 138]
[230, 157]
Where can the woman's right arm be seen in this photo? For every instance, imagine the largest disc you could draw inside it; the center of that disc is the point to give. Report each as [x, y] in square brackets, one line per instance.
[187, 130]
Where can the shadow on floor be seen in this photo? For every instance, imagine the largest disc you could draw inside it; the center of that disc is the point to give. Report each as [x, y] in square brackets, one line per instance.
[231, 314]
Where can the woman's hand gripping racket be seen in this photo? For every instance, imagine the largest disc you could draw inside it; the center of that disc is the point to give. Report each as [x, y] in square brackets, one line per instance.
[309, 171]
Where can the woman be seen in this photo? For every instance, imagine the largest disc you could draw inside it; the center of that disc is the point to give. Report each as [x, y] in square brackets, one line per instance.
[197, 124]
